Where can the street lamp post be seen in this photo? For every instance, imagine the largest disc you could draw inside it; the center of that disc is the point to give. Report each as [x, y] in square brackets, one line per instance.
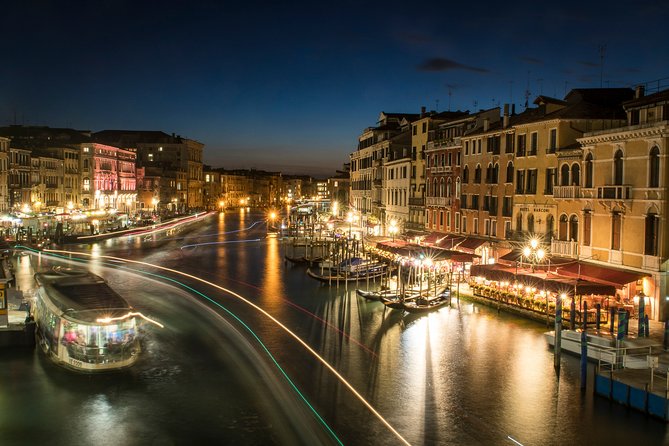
[393, 229]
[271, 217]
[534, 254]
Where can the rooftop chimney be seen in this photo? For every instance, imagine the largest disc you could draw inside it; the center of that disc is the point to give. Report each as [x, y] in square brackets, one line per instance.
[639, 92]
[513, 109]
[505, 122]
[422, 111]
[486, 124]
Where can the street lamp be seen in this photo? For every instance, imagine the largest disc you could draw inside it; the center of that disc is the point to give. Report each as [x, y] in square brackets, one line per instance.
[335, 208]
[393, 228]
[536, 254]
[154, 200]
[270, 221]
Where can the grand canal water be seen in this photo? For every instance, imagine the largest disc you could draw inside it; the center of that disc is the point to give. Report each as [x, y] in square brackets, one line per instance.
[222, 372]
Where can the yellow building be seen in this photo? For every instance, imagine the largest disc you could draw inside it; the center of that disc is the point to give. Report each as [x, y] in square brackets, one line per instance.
[376, 145]
[624, 198]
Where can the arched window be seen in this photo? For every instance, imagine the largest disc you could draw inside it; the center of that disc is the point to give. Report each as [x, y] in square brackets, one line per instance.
[519, 221]
[575, 175]
[618, 168]
[441, 187]
[477, 174]
[495, 174]
[562, 229]
[589, 172]
[465, 175]
[530, 223]
[449, 188]
[564, 175]
[573, 228]
[654, 167]
[458, 189]
[509, 172]
[488, 174]
[550, 227]
[651, 236]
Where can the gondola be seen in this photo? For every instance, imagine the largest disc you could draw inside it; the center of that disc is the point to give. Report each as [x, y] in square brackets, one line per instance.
[377, 295]
[327, 276]
[423, 304]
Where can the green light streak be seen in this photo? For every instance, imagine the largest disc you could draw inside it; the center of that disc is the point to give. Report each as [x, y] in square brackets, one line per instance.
[193, 290]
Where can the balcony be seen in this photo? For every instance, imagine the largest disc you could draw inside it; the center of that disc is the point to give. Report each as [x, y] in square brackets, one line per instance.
[438, 201]
[417, 201]
[622, 192]
[567, 192]
[564, 248]
[414, 226]
[651, 262]
[377, 182]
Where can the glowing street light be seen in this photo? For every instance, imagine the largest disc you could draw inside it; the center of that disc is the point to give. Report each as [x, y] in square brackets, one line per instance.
[154, 201]
[350, 218]
[393, 229]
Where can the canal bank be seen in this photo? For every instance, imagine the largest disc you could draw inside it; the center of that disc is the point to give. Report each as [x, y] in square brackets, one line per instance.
[639, 380]
[461, 375]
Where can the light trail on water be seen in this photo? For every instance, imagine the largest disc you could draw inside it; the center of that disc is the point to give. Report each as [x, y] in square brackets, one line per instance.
[265, 313]
[309, 313]
[214, 234]
[69, 258]
[247, 240]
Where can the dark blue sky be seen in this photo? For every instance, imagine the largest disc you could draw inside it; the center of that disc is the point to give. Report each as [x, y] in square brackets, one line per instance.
[289, 86]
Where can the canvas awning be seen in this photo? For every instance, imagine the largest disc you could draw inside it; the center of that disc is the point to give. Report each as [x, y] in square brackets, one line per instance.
[600, 274]
[470, 244]
[548, 280]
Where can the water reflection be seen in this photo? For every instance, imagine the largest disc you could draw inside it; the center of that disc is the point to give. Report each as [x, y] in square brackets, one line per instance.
[460, 375]
[271, 277]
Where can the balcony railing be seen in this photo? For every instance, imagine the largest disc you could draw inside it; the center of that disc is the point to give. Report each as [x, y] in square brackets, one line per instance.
[622, 192]
[441, 169]
[564, 248]
[414, 226]
[567, 192]
[416, 201]
[438, 201]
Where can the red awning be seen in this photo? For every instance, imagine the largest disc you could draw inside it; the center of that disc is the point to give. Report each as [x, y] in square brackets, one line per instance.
[470, 244]
[412, 250]
[600, 274]
[542, 279]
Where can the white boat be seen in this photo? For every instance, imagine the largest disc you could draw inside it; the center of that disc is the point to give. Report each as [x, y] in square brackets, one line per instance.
[600, 348]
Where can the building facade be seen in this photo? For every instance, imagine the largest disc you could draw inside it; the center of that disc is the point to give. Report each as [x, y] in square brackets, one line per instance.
[623, 197]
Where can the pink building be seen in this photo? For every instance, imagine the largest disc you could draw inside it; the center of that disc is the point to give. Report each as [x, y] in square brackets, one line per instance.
[109, 179]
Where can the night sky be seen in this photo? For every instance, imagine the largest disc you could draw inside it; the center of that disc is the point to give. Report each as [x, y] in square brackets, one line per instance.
[290, 85]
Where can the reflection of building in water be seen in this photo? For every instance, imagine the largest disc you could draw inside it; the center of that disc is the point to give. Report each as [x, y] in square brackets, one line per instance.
[83, 324]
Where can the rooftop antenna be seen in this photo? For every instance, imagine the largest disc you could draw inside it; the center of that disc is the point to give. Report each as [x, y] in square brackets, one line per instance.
[602, 50]
[527, 90]
[437, 106]
[450, 93]
[476, 104]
